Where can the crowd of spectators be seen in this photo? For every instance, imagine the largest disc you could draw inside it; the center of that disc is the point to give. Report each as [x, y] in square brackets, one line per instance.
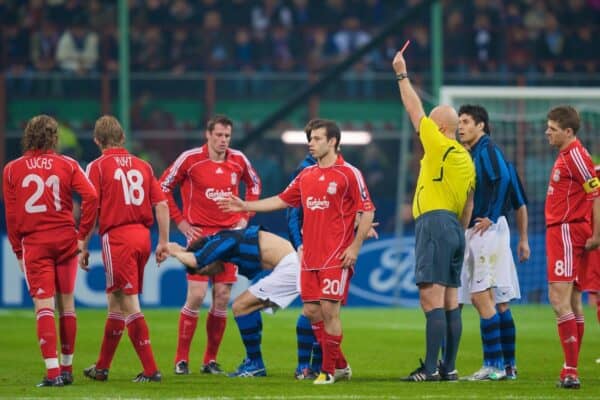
[177, 36]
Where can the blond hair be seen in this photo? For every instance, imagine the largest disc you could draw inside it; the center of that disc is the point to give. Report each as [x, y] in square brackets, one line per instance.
[108, 132]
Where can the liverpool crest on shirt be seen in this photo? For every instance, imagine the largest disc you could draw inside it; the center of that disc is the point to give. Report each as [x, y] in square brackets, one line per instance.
[332, 188]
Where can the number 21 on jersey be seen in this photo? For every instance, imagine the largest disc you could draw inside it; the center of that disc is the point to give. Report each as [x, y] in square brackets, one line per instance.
[33, 205]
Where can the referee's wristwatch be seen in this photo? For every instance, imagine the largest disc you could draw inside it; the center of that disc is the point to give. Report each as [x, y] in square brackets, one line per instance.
[401, 75]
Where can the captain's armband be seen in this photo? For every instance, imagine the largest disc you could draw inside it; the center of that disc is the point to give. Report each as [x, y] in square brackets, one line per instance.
[591, 185]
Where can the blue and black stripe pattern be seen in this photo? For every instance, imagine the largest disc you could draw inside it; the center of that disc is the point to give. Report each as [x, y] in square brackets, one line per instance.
[294, 215]
[236, 246]
[250, 327]
[493, 180]
[492, 345]
[508, 337]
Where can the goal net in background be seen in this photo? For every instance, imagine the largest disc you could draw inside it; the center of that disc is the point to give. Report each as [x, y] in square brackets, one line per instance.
[518, 125]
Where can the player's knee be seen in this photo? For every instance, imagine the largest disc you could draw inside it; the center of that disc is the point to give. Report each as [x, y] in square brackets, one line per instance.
[239, 308]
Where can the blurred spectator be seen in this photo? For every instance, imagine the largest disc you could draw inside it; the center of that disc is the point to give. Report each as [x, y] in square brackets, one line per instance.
[77, 50]
[43, 47]
[18, 71]
[321, 49]
[283, 49]
[582, 50]
[110, 49]
[215, 43]
[157, 12]
[455, 56]
[101, 13]
[485, 45]
[150, 55]
[535, 18]
[181, 12]
[183, 56]
[550, 47]
[267, 13]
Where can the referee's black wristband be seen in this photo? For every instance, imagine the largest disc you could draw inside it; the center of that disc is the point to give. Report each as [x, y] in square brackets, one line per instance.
[401, 75]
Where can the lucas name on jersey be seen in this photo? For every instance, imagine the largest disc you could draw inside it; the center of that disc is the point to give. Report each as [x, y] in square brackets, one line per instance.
[39, 163]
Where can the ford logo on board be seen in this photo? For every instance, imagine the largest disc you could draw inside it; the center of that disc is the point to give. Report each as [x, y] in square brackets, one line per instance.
[385, 274]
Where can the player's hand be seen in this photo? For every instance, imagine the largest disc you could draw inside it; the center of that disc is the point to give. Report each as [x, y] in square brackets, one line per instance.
[83, 258]
[592, 243]
[372, 234]
[161, 252]
[231, 204]
[189, 231]
[349, 257]
[242, 223]
[399, 63]
[482, 225]
[523, 251]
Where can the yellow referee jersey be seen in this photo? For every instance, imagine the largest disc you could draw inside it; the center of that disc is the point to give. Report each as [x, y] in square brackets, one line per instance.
[447, 173]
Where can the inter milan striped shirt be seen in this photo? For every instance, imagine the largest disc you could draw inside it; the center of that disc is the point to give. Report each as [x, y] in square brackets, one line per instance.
[493, 180]
[239, 246]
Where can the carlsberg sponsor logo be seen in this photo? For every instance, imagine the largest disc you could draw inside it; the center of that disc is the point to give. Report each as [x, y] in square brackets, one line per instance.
[317, 204]
[215, 194]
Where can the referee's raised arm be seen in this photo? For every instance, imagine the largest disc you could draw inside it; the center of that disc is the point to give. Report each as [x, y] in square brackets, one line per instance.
[410, 98]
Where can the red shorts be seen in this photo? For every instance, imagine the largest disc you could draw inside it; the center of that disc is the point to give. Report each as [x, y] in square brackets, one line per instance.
[589, 276]
[565, 250]
[229, 274]
[125, 251]
[50, 262]
[325, 284]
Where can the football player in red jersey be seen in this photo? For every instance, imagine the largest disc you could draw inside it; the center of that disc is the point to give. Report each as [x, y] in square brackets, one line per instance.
[573, 196]
[206, 174]
[39, 220]
[331, 193]
[128, 191]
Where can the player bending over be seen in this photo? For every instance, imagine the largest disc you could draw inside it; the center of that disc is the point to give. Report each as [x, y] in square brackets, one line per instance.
[253, 250]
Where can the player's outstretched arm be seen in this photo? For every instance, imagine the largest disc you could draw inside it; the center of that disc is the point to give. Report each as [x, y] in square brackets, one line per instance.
[410, 98]
[179, 252]
[235, 204]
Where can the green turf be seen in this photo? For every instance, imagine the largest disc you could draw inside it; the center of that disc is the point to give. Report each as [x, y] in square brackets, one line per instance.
[381, 344]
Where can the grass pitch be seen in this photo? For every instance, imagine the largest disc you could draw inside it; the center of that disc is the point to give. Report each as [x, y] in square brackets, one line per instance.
[382, 344]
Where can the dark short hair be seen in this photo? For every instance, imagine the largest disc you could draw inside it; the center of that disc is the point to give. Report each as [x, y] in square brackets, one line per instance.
[218, 119]
[197, 244]
[565, 117]
[478, 113]
[332, 130]
[41, 133]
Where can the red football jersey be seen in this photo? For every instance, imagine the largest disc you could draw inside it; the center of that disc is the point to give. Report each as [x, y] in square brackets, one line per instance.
[330, 198]
[571, 186]
[126, 187]
[203, 181]
[38, 194]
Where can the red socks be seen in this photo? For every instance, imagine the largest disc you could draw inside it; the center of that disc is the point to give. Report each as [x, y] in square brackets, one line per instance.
[46, 333]
[140, 338]
[215, 328]
[188, 319]
[68, 330]
[579, 320]
[568, 333]
[113, 330]
[331, 352]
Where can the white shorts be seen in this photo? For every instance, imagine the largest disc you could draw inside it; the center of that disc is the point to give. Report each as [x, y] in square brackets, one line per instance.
[489, 264]
[280, 287]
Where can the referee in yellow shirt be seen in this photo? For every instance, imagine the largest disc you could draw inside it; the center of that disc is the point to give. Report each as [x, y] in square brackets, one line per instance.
[441, 207]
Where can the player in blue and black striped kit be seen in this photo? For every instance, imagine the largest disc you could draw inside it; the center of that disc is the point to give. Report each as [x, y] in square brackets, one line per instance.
[253, 250]
[488, 276]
